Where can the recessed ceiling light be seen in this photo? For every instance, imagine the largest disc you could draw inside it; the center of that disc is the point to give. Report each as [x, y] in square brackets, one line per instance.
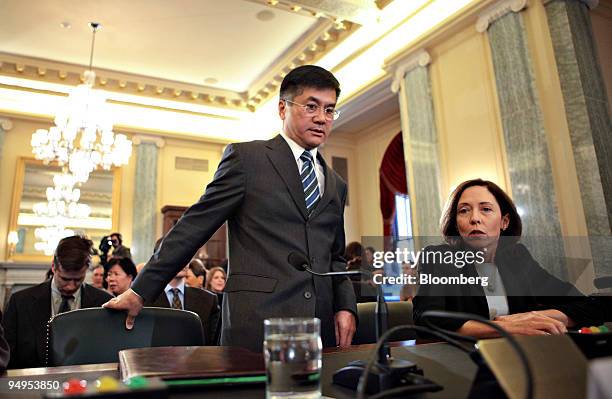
[265, 15]
[66, 25]
[211, 81]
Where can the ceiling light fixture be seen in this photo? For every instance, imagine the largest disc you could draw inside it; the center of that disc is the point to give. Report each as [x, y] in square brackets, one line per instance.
[83, 139]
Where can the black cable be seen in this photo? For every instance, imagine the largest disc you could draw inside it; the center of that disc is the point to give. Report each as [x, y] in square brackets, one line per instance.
[363, 380]
[517, 348]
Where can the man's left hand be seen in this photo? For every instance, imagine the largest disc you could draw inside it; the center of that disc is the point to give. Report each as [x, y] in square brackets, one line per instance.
[345, 328]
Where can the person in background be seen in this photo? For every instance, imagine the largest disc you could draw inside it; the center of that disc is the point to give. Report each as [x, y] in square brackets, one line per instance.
[140, 266]
[215, 281]
[120, 274]
[408, 291]
[177, 295]
[520, 296]
[27, 312]
[97, 277]
[196, 274]
[365, 291]
[369, 255]
[119, 250]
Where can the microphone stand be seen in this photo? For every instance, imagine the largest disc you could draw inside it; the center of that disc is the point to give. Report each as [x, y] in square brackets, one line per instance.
[388, 372]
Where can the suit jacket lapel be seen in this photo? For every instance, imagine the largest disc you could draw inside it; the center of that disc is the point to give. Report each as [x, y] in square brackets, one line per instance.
[330, 187]
[284, 163]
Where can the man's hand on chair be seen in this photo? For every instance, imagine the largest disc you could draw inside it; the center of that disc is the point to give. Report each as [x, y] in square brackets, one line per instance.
[130, 301]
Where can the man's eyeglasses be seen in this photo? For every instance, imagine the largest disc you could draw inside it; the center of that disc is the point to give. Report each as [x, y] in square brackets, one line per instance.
[313, 109]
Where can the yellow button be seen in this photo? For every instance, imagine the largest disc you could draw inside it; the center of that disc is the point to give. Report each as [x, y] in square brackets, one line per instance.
[107, 383]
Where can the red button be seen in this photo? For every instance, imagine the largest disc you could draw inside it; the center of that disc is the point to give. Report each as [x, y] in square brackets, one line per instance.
[585, 330]
[74, 386]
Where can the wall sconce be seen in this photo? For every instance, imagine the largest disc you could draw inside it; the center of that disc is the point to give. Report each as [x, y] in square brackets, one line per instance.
[13, 240]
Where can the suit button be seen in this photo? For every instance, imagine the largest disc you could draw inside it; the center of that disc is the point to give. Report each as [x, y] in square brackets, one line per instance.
[307, 295]
[313, 259]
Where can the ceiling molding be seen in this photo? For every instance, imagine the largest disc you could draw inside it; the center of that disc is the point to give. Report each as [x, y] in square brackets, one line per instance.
[311, 47]
[6, 124]
[356, 11]
[308, 50]
[496, 11]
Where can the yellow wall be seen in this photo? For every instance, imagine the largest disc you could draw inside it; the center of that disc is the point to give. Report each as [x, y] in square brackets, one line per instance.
[467, 115]
[345, 149]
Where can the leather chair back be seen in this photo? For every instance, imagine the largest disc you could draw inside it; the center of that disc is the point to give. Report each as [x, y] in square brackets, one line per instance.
[96, 335]
[400, 313]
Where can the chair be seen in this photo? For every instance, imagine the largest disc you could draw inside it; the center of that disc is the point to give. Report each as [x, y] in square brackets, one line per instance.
[400, 313]
[96, 335]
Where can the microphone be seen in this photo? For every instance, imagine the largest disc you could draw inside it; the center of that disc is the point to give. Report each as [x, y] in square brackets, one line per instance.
[300, 262]
[390, 372]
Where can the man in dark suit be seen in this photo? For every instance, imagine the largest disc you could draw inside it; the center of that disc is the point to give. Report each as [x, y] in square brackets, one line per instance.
[27, 312]
[204, 303]
[278, 196]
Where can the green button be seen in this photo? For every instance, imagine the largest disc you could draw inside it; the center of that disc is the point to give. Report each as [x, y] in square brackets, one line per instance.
[137, 382]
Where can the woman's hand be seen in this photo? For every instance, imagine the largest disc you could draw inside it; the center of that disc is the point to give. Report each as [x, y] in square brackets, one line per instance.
[532, 323]
[529, 323]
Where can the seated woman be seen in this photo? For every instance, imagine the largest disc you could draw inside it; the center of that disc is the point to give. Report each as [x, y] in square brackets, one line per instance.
[120, 274]
[215, 281]
[519, 295]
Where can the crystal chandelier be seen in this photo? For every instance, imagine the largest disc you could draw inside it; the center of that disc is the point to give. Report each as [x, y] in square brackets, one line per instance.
[83, 139]
[61, 209]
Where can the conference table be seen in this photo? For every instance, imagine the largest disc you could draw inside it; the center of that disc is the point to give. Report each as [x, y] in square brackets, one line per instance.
[441, 363]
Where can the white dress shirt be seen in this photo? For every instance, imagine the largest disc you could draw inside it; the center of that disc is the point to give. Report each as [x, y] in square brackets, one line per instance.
[181, 294]
[297, 151]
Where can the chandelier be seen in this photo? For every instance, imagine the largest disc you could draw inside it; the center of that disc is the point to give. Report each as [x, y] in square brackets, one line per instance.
[61, 210]
[83, 139]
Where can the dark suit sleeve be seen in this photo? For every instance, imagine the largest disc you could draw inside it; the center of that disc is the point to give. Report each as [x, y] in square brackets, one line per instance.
[344, 294]
[9, 322]
[220, 200]
[549, 292]
[4, 350]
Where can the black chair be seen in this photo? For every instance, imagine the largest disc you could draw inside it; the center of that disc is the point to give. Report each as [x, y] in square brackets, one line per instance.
[400, 313]
[96, 335]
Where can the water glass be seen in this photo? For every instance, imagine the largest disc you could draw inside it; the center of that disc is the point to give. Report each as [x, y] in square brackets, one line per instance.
[292, 349]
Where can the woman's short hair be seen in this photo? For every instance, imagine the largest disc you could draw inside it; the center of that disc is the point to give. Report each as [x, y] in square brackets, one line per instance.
[211, 274]
[448, 222]
[126, 264]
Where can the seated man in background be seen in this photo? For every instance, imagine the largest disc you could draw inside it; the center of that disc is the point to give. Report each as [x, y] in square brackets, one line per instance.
[196, 274]
[204, 303]
[27, 312]
[97, 277]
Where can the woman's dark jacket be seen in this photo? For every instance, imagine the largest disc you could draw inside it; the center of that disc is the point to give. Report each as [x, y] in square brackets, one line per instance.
[528, 287]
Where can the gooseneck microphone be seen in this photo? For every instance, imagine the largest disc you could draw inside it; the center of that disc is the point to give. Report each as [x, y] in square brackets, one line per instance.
[389, 372]
[300, 262]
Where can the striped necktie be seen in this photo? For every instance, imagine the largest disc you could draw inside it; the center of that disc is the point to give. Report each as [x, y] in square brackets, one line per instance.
[309, 181]
[176, 300]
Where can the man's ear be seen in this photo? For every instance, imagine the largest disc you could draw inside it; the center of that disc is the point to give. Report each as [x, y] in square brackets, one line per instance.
[282, 108]
[53, 267]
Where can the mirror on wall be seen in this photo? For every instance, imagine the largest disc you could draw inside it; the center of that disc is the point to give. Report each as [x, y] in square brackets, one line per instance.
[33, 178]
